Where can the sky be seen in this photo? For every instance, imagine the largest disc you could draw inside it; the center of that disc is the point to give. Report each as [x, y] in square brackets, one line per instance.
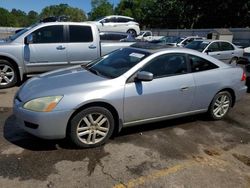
[38, 5]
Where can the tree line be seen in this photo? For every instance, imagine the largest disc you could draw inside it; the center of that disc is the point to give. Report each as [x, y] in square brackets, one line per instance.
[149, 13]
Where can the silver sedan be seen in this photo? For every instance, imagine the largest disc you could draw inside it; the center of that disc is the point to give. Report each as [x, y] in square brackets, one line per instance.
[128, 87]
[219, 49]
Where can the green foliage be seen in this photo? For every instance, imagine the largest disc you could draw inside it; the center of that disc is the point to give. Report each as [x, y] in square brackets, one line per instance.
[75, 14]
[7, 19]
[100, 8]
[149, 13]
[18, 18]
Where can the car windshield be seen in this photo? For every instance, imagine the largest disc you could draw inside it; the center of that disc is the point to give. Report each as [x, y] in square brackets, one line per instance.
[117, 63]
[98, 19]
[197, 45]
[15, 36]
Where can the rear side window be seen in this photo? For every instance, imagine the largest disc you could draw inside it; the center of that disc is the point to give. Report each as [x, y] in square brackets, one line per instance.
[214, 47]
[80, 33]
[48, 34]
[199, 64]
[225, 46]
[123, 20]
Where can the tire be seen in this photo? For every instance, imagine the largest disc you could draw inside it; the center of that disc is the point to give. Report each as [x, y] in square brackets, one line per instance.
[233, 61]
[91, 127]
[220, 105]
[132, 32]
[8, 74]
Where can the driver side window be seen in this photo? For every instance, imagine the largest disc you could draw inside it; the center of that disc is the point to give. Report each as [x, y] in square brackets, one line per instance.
[167, 65]
[48, 34]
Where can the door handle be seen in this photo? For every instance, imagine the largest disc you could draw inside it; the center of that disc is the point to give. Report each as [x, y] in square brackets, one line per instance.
[92, 46]
[184, 88]
[217, 54]
[60, 47]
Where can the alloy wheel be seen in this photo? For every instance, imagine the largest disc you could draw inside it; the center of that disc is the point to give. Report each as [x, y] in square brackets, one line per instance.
[93, 128]
[221, 106]
[7, 74]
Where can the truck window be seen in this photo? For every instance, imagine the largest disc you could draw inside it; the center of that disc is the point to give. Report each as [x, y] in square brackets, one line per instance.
[80, 33]
[48, 34]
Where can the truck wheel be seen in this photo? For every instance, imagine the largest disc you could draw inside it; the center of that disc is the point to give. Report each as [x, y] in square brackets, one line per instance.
[91, 127]
[8, 74]
[132, 32]
[220, 105]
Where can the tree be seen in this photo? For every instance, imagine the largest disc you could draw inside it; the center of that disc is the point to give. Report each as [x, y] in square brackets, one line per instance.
[100, 8]
[7, 19]
[20, 17]
[75, 14]
[33, 17]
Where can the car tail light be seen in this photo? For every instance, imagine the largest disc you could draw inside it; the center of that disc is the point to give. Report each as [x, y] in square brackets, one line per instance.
[243, 77]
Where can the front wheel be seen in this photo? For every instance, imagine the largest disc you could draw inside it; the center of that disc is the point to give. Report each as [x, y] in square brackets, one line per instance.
[220, 105]
[8, 74]
[91, 127]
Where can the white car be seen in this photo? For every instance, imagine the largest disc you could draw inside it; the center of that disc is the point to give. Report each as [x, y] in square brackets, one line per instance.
[118, 23]
[147, 36]
[219, 49]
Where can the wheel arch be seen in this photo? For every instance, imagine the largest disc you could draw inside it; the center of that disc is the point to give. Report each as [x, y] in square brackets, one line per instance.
[111, 108]
[232, 93]
[12, 61]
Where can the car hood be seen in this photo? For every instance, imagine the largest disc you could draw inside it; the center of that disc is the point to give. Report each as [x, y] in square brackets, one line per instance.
[60, 82]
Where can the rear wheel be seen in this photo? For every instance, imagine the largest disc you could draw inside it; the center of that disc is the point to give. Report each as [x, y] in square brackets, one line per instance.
[91, 127]
[233, 61]
[132, 32]
[8, 74]
[220, 105]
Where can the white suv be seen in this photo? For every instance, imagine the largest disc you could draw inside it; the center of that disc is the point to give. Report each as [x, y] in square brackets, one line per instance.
[118, 24]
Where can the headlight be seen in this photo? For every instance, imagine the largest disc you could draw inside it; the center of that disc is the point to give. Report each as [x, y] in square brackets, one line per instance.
[43, 104]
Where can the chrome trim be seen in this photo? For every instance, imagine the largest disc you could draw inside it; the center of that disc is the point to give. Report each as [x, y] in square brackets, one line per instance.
[45, 63]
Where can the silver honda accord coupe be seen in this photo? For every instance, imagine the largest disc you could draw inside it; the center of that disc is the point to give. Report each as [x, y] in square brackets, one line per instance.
[129, 86]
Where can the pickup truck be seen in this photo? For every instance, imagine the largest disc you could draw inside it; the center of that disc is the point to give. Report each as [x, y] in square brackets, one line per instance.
[47, 46]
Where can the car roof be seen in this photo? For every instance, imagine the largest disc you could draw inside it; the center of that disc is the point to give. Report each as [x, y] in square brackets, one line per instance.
[211, 40]
[166, 48]
[119, 16]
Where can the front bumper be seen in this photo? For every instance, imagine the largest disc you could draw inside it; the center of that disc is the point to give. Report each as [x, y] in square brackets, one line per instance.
[51, 125]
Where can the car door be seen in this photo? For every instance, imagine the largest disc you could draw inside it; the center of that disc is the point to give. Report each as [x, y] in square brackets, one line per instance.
[206, 80]
[170, 92]
[227, 51]
[213, 50]
[47, 50]
[109, 24]
[83, 47]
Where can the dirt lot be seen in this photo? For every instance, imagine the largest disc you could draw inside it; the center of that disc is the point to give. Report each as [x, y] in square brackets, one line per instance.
[187, 152]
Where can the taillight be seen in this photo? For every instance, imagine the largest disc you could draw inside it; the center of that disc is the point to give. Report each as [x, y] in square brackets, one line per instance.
[244, 76]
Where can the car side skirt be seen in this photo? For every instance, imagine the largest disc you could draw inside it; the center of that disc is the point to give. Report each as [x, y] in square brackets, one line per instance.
[155, 119]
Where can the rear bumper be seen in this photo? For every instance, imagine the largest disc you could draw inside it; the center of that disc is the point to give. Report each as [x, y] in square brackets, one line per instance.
[241, 92]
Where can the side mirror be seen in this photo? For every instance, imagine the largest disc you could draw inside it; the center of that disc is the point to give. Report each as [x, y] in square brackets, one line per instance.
[208, 51]
[28, 40]
[144, 76]
[102, 22]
